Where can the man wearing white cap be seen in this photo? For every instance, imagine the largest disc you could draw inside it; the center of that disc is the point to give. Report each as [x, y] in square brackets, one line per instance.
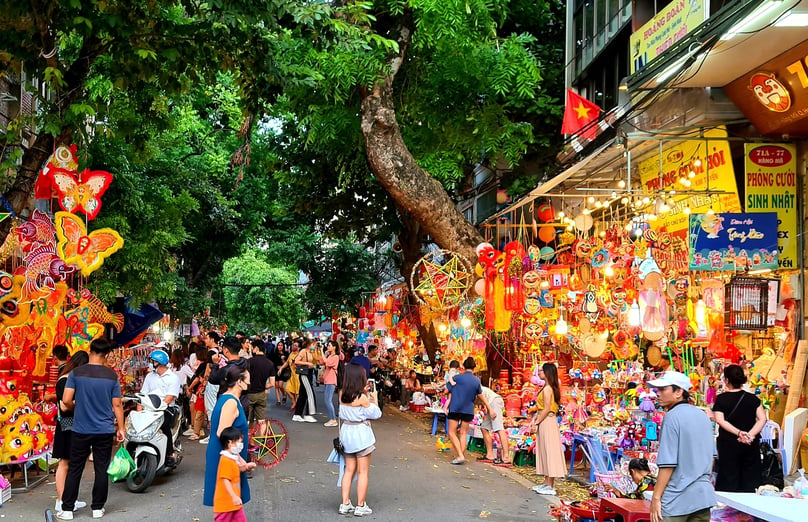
[683, 492]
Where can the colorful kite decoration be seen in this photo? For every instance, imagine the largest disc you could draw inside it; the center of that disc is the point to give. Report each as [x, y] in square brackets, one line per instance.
[87, 251]
[83, 192]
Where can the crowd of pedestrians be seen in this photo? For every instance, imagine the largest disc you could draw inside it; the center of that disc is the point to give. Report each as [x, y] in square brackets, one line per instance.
[221, 386]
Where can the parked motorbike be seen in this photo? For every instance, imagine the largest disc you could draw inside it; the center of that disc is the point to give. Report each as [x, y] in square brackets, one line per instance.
[146, 443]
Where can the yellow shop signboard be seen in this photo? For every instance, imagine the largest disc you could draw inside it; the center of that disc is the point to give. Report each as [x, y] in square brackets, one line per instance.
[670, 25]
[706, 165]
[771, 186]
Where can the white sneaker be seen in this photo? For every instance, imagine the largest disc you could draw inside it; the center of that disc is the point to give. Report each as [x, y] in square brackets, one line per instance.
[98, 513]
[346, 509]
[79, 505]
[205, 440]
[309, 418]
[188, 432]
[64, 515]
[539, 488]
[403, 408]
[297, 418]
[547, 490]
[360, 511]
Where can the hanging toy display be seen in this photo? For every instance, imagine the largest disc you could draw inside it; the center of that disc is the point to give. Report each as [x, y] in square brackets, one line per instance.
[38, 303]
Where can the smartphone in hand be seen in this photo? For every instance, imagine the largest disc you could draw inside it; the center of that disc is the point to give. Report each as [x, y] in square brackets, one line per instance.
[372, 383]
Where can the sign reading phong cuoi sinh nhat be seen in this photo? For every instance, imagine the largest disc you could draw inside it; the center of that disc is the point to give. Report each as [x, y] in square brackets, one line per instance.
[771, 186]
[733, 242]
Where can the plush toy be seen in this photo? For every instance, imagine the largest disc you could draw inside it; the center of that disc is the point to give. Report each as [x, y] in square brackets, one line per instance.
[647, 402]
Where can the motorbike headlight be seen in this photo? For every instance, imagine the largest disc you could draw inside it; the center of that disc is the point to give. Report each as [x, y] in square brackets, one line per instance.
[146, 435]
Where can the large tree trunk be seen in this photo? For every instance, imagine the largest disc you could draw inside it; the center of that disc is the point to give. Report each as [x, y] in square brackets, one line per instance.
[411, 239]
[33, 159]
[412, 188]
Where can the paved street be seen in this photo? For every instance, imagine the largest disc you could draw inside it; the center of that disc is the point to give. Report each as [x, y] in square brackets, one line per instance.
[410, 480]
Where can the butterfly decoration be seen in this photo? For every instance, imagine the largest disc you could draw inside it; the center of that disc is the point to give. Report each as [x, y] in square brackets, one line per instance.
[82, 192]
[87, 251]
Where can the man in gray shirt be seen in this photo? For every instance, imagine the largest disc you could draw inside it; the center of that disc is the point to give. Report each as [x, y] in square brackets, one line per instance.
[683, 491]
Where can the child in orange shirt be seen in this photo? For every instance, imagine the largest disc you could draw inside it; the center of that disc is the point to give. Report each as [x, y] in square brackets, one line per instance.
[227, 505]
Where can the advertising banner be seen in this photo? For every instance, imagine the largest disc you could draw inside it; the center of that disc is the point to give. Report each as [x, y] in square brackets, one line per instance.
[733, 242]
[709, 155]
[771, 186]
[669, 26]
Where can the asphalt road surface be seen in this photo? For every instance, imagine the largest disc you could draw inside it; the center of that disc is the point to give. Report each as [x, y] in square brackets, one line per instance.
[409, 480]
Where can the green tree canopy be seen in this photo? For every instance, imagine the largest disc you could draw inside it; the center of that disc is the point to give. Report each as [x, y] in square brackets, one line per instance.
[260, 294]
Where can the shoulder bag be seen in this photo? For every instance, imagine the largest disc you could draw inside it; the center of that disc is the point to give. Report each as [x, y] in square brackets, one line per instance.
[740, 398]
[303, 370]
[338, 447]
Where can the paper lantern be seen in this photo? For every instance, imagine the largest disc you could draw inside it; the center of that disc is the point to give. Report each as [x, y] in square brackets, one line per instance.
[547, 233]
[545, 212]
[502, 197]
[583, 222]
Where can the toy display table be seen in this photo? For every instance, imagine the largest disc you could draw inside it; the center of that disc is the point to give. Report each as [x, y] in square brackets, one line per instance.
[631, 510]
[772, 509]
[27, 484]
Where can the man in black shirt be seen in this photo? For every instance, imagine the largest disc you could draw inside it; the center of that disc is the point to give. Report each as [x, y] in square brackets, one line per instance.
[231, 348]
[262, 379]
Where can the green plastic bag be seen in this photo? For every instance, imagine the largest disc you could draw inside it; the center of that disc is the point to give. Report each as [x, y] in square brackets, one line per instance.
[121, 466]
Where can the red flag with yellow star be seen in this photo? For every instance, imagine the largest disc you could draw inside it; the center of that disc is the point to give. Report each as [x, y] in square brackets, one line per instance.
[577, 114]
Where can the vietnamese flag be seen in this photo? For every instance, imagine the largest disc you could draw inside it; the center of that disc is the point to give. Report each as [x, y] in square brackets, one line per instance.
[577, 114]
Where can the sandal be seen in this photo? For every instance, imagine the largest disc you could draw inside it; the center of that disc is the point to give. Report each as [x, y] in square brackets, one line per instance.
[458, 462]
[193, 436]
[485, 460]
[501, 463]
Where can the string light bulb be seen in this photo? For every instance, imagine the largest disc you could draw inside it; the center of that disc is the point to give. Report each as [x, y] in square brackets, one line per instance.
[591, 199]
[621, 184]
[710, 211]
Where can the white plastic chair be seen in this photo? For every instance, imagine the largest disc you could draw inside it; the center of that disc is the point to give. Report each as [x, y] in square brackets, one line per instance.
[770, 433]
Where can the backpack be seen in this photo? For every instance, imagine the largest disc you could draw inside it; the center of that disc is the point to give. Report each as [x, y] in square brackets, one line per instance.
[772, 469]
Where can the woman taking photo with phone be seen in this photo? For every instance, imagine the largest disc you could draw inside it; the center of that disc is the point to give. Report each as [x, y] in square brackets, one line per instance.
[358, 406]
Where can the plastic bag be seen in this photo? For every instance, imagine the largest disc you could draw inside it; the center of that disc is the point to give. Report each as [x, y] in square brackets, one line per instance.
[801, 485]
[121, 466]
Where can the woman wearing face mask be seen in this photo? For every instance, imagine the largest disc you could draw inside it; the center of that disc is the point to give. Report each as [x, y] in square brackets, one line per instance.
[228, 412]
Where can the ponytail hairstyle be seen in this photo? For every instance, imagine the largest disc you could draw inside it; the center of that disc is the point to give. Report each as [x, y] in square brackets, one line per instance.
[639, 465]
[551, 376]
